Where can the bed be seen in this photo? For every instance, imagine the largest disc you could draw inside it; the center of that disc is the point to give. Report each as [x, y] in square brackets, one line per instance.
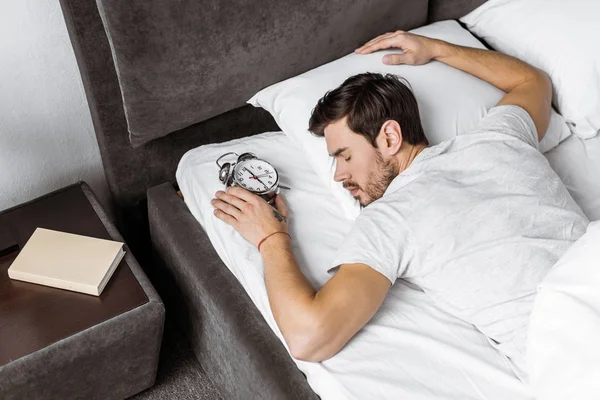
[411, 348]
[234, 343]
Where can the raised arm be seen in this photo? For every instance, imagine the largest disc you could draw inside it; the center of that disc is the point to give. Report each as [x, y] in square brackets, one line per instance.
[525, 86]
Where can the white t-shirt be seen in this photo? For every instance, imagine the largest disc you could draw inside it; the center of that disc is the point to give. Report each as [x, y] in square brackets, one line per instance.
[476, 222]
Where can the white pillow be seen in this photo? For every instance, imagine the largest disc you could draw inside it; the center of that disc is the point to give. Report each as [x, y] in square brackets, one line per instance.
[563, 350]
[558, 36]
[451, 102]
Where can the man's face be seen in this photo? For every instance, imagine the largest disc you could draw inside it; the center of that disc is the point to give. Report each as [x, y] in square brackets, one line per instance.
[361, 167]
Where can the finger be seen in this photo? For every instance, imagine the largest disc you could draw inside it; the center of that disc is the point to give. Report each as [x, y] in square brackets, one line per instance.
[396, 59]
[381, 37]
[242, 194]
[374, 40]
[361, 49]
[227, 208]
[231, 199]
[281, 206]
[225, 217]
[386, 43]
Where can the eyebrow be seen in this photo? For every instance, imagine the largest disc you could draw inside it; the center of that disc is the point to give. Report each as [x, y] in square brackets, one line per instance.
[338, 152]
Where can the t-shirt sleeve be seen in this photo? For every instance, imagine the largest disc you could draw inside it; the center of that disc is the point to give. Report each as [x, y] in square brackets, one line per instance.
[511, 120]
[378, 239]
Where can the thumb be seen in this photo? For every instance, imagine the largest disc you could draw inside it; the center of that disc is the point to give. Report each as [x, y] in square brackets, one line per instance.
[395, 59]
[281, 206]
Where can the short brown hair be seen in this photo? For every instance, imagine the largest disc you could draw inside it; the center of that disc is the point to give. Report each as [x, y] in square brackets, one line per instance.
[368, 100]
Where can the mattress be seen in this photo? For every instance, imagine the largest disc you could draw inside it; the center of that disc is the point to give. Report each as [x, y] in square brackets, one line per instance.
[410, 349]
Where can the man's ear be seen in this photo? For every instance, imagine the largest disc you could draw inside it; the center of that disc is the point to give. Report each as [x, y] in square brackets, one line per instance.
[389, 139]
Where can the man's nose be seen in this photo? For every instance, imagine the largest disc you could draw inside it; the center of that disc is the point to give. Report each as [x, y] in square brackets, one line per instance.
[341, 174]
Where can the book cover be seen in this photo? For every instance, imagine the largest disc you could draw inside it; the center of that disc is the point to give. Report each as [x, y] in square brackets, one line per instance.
[67, 261]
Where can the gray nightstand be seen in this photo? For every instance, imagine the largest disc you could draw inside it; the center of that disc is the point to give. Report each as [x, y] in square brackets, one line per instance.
[58, 344]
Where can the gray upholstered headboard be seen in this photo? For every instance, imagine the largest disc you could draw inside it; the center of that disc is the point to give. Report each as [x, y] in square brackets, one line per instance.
[239, 35]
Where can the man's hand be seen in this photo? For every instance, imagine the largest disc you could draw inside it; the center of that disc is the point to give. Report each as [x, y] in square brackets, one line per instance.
[417, 50]
[250, 215]
[525, 86]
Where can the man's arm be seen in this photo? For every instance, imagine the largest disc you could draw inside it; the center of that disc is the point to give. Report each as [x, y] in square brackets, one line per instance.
[525, 86]
[315, 325]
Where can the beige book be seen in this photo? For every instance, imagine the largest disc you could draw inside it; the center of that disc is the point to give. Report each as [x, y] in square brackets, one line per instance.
[67, 261]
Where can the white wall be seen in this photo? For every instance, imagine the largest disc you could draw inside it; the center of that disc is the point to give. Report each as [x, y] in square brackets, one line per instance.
[47, 139]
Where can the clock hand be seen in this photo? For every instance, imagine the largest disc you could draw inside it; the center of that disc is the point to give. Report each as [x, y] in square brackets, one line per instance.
[265, 174]
[254, 177]
[266, 187]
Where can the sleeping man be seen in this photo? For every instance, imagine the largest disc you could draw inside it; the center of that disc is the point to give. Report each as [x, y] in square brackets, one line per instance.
[476, 221]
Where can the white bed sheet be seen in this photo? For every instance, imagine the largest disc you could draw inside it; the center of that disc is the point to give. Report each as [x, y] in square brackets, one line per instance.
[577, 162]
[410, 349]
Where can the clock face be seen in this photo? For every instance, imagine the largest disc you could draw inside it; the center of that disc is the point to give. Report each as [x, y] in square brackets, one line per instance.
[255, 175]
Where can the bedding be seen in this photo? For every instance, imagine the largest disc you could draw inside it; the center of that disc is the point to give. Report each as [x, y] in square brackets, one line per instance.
[557, 36]
[451, 102]
[410, 349]
[564, 353]
[577, 163]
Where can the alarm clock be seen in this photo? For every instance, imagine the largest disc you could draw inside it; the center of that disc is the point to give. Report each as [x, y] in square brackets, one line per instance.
[251, 173]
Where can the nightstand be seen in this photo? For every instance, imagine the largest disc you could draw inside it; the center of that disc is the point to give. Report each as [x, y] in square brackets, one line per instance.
[59, 344]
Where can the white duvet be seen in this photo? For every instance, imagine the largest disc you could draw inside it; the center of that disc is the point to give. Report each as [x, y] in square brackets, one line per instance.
[409, 350]
[564, 332]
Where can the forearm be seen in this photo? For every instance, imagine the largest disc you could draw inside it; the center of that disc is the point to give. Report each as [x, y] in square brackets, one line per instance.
[291, 296]
[317, 325]
[503, 71]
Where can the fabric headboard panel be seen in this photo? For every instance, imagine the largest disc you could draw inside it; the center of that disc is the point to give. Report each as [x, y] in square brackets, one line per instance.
[179, 63]
[131, 171]
[440, 10]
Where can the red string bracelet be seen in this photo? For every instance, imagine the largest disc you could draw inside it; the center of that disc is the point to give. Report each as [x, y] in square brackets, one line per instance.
[268, 236]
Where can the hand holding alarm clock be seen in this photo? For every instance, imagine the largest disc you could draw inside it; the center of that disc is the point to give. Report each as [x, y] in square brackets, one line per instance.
[246, 179]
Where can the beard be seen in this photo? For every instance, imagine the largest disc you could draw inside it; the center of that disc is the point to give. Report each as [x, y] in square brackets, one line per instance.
[378, 180]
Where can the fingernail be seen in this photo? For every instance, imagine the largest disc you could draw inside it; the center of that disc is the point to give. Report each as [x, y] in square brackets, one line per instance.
[386, 59]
